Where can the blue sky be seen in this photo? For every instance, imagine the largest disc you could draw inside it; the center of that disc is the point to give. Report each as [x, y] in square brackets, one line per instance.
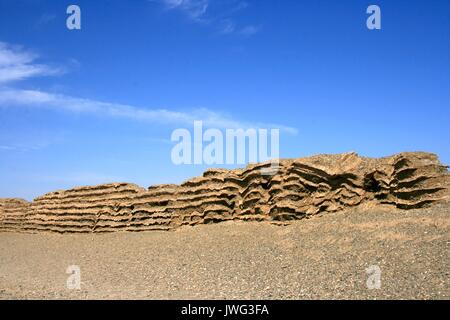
[81, 107]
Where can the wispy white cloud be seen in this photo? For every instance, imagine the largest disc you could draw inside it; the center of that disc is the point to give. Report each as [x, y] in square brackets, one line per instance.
[227, 26]
[241, 5]
[34, 98]
[221, 17]
[249, 30]
[8, 148]
[22, 148]
[18, 64]
[193, 8]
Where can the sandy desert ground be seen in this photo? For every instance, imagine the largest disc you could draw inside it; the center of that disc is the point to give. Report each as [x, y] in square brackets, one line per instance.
[318, 258]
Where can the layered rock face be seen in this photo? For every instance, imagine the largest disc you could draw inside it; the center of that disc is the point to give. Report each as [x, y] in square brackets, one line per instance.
[299, 188]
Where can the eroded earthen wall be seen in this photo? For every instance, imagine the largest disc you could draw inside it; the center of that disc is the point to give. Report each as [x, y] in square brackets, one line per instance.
[301, 187]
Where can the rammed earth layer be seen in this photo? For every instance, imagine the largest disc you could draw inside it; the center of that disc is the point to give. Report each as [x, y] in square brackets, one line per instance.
[300, 188]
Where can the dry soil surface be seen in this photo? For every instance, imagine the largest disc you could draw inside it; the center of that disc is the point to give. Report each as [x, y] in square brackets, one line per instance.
[322, 257]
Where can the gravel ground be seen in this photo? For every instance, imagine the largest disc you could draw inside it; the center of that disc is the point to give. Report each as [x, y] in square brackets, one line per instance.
[319, 258]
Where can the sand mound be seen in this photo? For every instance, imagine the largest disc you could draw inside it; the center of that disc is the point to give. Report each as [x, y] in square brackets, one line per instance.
[300, 188]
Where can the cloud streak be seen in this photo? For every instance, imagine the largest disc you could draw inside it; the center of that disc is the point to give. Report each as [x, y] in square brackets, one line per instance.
[193, 8]
[201, 11]
[249, 30]
[46, 100]
[17, 64]
[22, 148]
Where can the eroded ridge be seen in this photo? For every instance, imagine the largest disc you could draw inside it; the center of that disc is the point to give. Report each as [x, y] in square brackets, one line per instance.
[300, 188]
